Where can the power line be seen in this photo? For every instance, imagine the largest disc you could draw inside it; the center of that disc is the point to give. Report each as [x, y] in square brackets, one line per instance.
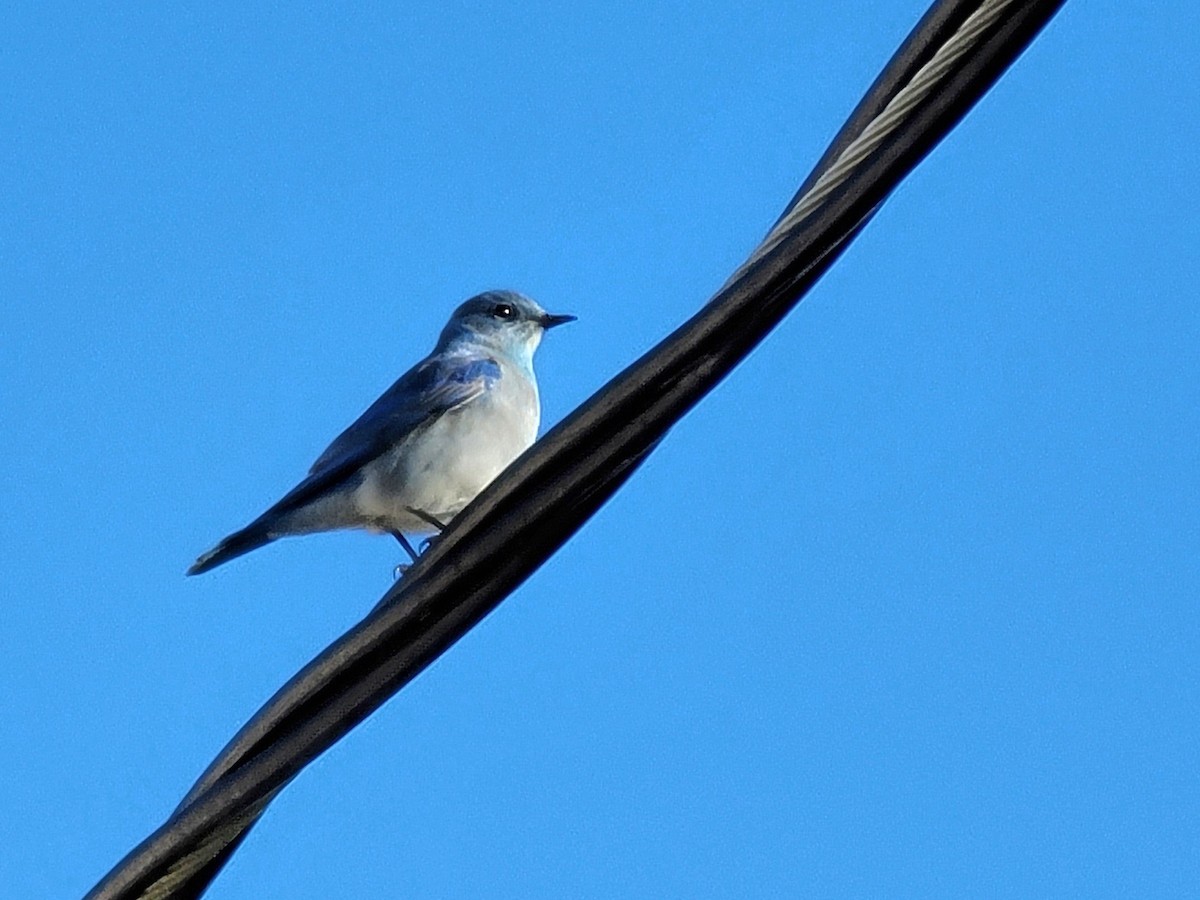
[951, 58]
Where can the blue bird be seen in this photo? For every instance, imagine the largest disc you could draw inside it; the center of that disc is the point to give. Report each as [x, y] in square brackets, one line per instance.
[430, 444]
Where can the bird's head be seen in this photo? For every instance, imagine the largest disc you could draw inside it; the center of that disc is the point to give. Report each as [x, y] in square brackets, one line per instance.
[504, 321]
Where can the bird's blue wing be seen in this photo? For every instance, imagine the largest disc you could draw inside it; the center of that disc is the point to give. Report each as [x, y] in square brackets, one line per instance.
[425, 392]
[421, 395]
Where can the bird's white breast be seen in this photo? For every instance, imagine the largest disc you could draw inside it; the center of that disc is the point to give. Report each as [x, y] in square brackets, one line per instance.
[446, 464]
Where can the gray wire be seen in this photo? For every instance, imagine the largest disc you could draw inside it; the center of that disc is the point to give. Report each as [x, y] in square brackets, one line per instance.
[890, 117]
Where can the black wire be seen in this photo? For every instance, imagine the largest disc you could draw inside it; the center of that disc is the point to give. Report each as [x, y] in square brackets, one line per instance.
[536, 505]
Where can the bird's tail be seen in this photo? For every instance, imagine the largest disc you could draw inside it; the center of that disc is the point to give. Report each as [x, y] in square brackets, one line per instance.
[249, 538]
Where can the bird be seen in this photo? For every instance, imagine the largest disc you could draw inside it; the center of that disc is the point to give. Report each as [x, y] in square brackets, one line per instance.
[431, 442]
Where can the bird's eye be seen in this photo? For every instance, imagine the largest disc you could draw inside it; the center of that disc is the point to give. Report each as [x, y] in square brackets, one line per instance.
[502, 311]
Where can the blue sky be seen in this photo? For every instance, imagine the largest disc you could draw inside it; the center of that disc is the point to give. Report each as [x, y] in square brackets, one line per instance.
[906, 607]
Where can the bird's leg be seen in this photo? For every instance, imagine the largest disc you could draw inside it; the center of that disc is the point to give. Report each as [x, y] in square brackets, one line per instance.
[426, 517]
[408, 548]
[432, 520]
[403, 567]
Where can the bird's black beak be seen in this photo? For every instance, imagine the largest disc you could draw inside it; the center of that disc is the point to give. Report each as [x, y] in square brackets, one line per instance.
[549, 321]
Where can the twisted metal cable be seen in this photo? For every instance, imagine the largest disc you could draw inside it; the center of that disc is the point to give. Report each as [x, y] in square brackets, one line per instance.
[898, 109]
[540, 501]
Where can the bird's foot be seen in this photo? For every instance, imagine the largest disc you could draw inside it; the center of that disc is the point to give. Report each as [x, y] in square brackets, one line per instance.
[425, 544]
[408, 548]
